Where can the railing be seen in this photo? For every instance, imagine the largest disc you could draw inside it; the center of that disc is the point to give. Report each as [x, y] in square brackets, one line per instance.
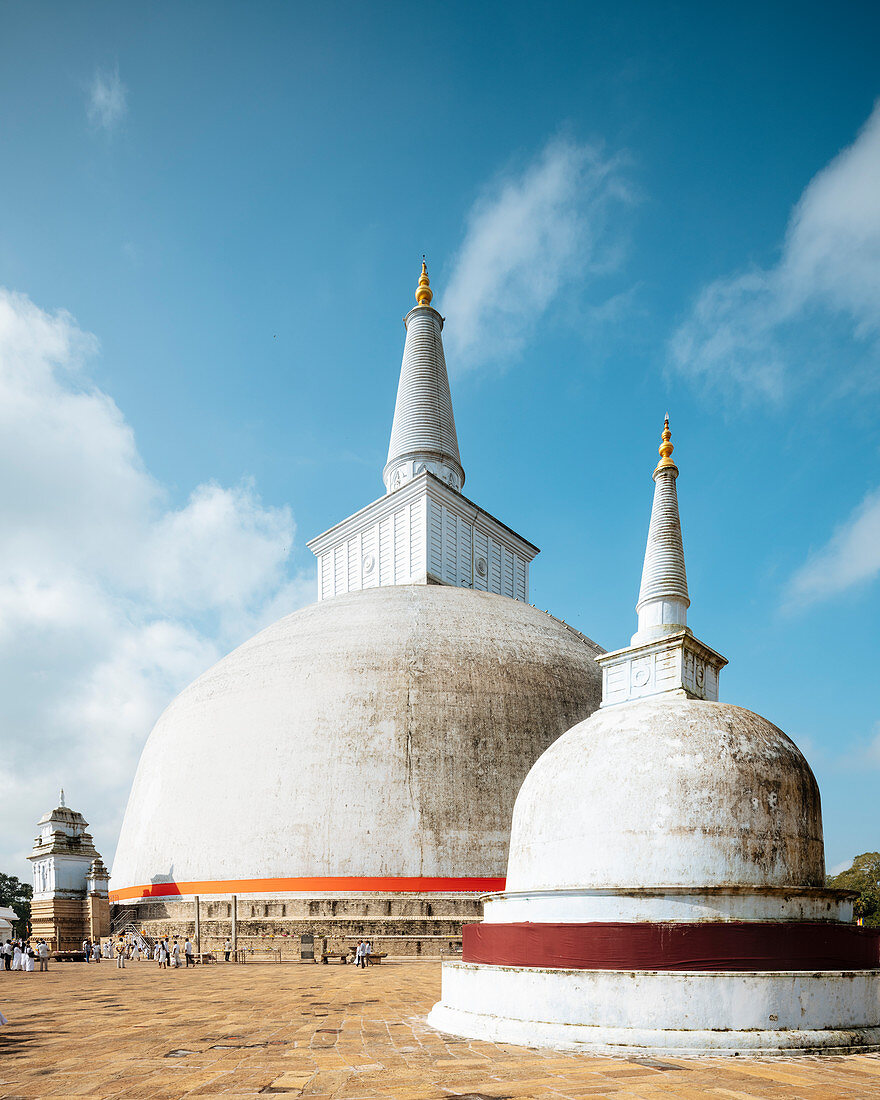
[121, 919]
[131, 932]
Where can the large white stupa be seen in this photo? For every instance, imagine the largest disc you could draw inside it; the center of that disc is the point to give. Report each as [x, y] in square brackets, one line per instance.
[665, 887]
[352, 769]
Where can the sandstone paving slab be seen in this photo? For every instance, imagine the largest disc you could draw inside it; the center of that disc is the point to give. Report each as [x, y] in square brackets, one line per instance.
[294, 1030]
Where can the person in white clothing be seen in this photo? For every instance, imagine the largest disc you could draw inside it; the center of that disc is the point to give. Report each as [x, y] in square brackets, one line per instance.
[188, 952]
[175, 953]
[16, 957]
[96, 951]
[27, 959]
[120, 954]
[43, 954]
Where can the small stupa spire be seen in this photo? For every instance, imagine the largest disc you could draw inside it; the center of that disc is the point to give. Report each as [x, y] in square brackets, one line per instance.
[663, 596]
[424, 294]
[61, 801]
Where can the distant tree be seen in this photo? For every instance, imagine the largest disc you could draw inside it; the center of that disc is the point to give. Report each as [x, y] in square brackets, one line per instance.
[15, 894]
[864, 876]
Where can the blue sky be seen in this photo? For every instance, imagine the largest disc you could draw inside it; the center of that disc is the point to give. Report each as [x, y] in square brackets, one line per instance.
[211, 221]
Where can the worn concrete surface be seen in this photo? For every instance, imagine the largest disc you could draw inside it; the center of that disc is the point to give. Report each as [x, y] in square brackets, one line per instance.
[420, 709]
[328, 1031]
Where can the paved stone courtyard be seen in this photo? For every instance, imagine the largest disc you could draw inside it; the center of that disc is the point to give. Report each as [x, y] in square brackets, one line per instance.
[328, 1031]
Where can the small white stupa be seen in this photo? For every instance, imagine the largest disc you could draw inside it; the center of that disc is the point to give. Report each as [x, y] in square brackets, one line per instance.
[665, 885]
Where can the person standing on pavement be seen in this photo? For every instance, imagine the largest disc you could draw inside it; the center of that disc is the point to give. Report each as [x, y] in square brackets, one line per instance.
[227, 948]
[120, 953]
[43, 954]
[188, 952]
[175, 953]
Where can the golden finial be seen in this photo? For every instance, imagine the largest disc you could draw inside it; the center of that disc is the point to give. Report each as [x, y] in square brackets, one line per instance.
[666, 450]
[424, 294]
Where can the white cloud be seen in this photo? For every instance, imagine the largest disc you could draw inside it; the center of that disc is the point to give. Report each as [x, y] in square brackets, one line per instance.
[750, 330]
[850, 557]
[111, 600]
[107, 101]
[529, 235]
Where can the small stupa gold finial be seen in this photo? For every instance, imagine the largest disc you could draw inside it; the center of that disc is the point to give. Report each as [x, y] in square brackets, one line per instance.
[666, 450]
[424, 294]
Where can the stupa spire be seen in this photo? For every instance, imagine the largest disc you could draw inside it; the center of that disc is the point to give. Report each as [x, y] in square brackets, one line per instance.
[423, 432]
[663, 595]
[664, 656]
[61, 801]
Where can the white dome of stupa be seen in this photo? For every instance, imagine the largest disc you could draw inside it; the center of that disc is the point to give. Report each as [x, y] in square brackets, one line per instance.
[369, 746]
[379, 734]
[668, 791]
[665, 888]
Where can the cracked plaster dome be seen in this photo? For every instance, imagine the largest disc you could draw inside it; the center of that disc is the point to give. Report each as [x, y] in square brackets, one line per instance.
[382, 732]
[668, 791]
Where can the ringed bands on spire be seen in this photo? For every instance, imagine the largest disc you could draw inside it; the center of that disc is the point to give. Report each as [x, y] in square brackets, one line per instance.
[663, 655]
[663, 595]
[423, 435]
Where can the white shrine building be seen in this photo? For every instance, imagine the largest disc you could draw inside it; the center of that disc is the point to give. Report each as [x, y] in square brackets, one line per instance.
[70, 902]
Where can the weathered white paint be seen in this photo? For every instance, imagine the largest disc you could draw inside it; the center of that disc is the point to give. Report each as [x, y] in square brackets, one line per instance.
[668, 791]
[423, 534]
[667, 905]
[383, 732]
[662, 1011]
[423, 432]
[677, 662]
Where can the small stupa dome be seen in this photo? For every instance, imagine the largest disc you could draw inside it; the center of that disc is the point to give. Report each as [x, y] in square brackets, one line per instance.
[668, 791]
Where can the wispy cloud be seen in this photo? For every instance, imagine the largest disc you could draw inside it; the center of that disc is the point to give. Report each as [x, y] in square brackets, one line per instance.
[850, 557]
[111, 599]
[107, 100]
[746, 332]
[532, 232]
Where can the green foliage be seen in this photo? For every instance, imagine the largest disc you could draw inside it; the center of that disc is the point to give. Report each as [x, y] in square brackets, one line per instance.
[864, 876]
[15, 894]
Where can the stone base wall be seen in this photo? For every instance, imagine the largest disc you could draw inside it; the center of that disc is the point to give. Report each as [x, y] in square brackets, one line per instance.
[65, 922]
[412, 925]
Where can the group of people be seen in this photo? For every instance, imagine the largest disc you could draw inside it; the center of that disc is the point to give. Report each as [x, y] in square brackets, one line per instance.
[23, 955]
[94, 950]
[362, 953]
[168, 954]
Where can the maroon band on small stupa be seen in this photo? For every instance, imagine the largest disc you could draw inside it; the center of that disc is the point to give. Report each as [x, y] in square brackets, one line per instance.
[740, 945]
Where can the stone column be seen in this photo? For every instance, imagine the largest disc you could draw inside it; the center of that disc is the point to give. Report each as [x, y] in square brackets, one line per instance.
[198, 935]
[234, 922]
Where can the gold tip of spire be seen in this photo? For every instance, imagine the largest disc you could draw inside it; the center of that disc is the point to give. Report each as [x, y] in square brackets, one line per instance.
[666, 450]
[424, 294]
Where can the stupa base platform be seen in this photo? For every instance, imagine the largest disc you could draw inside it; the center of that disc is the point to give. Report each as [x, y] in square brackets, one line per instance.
[299, 926]
[683, 1013]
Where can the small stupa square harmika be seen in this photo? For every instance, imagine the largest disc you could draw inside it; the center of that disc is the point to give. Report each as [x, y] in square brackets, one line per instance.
[665, 885]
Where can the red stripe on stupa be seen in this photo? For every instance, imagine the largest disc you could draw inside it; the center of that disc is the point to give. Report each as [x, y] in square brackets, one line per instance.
[734, 945]
[382, 884]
